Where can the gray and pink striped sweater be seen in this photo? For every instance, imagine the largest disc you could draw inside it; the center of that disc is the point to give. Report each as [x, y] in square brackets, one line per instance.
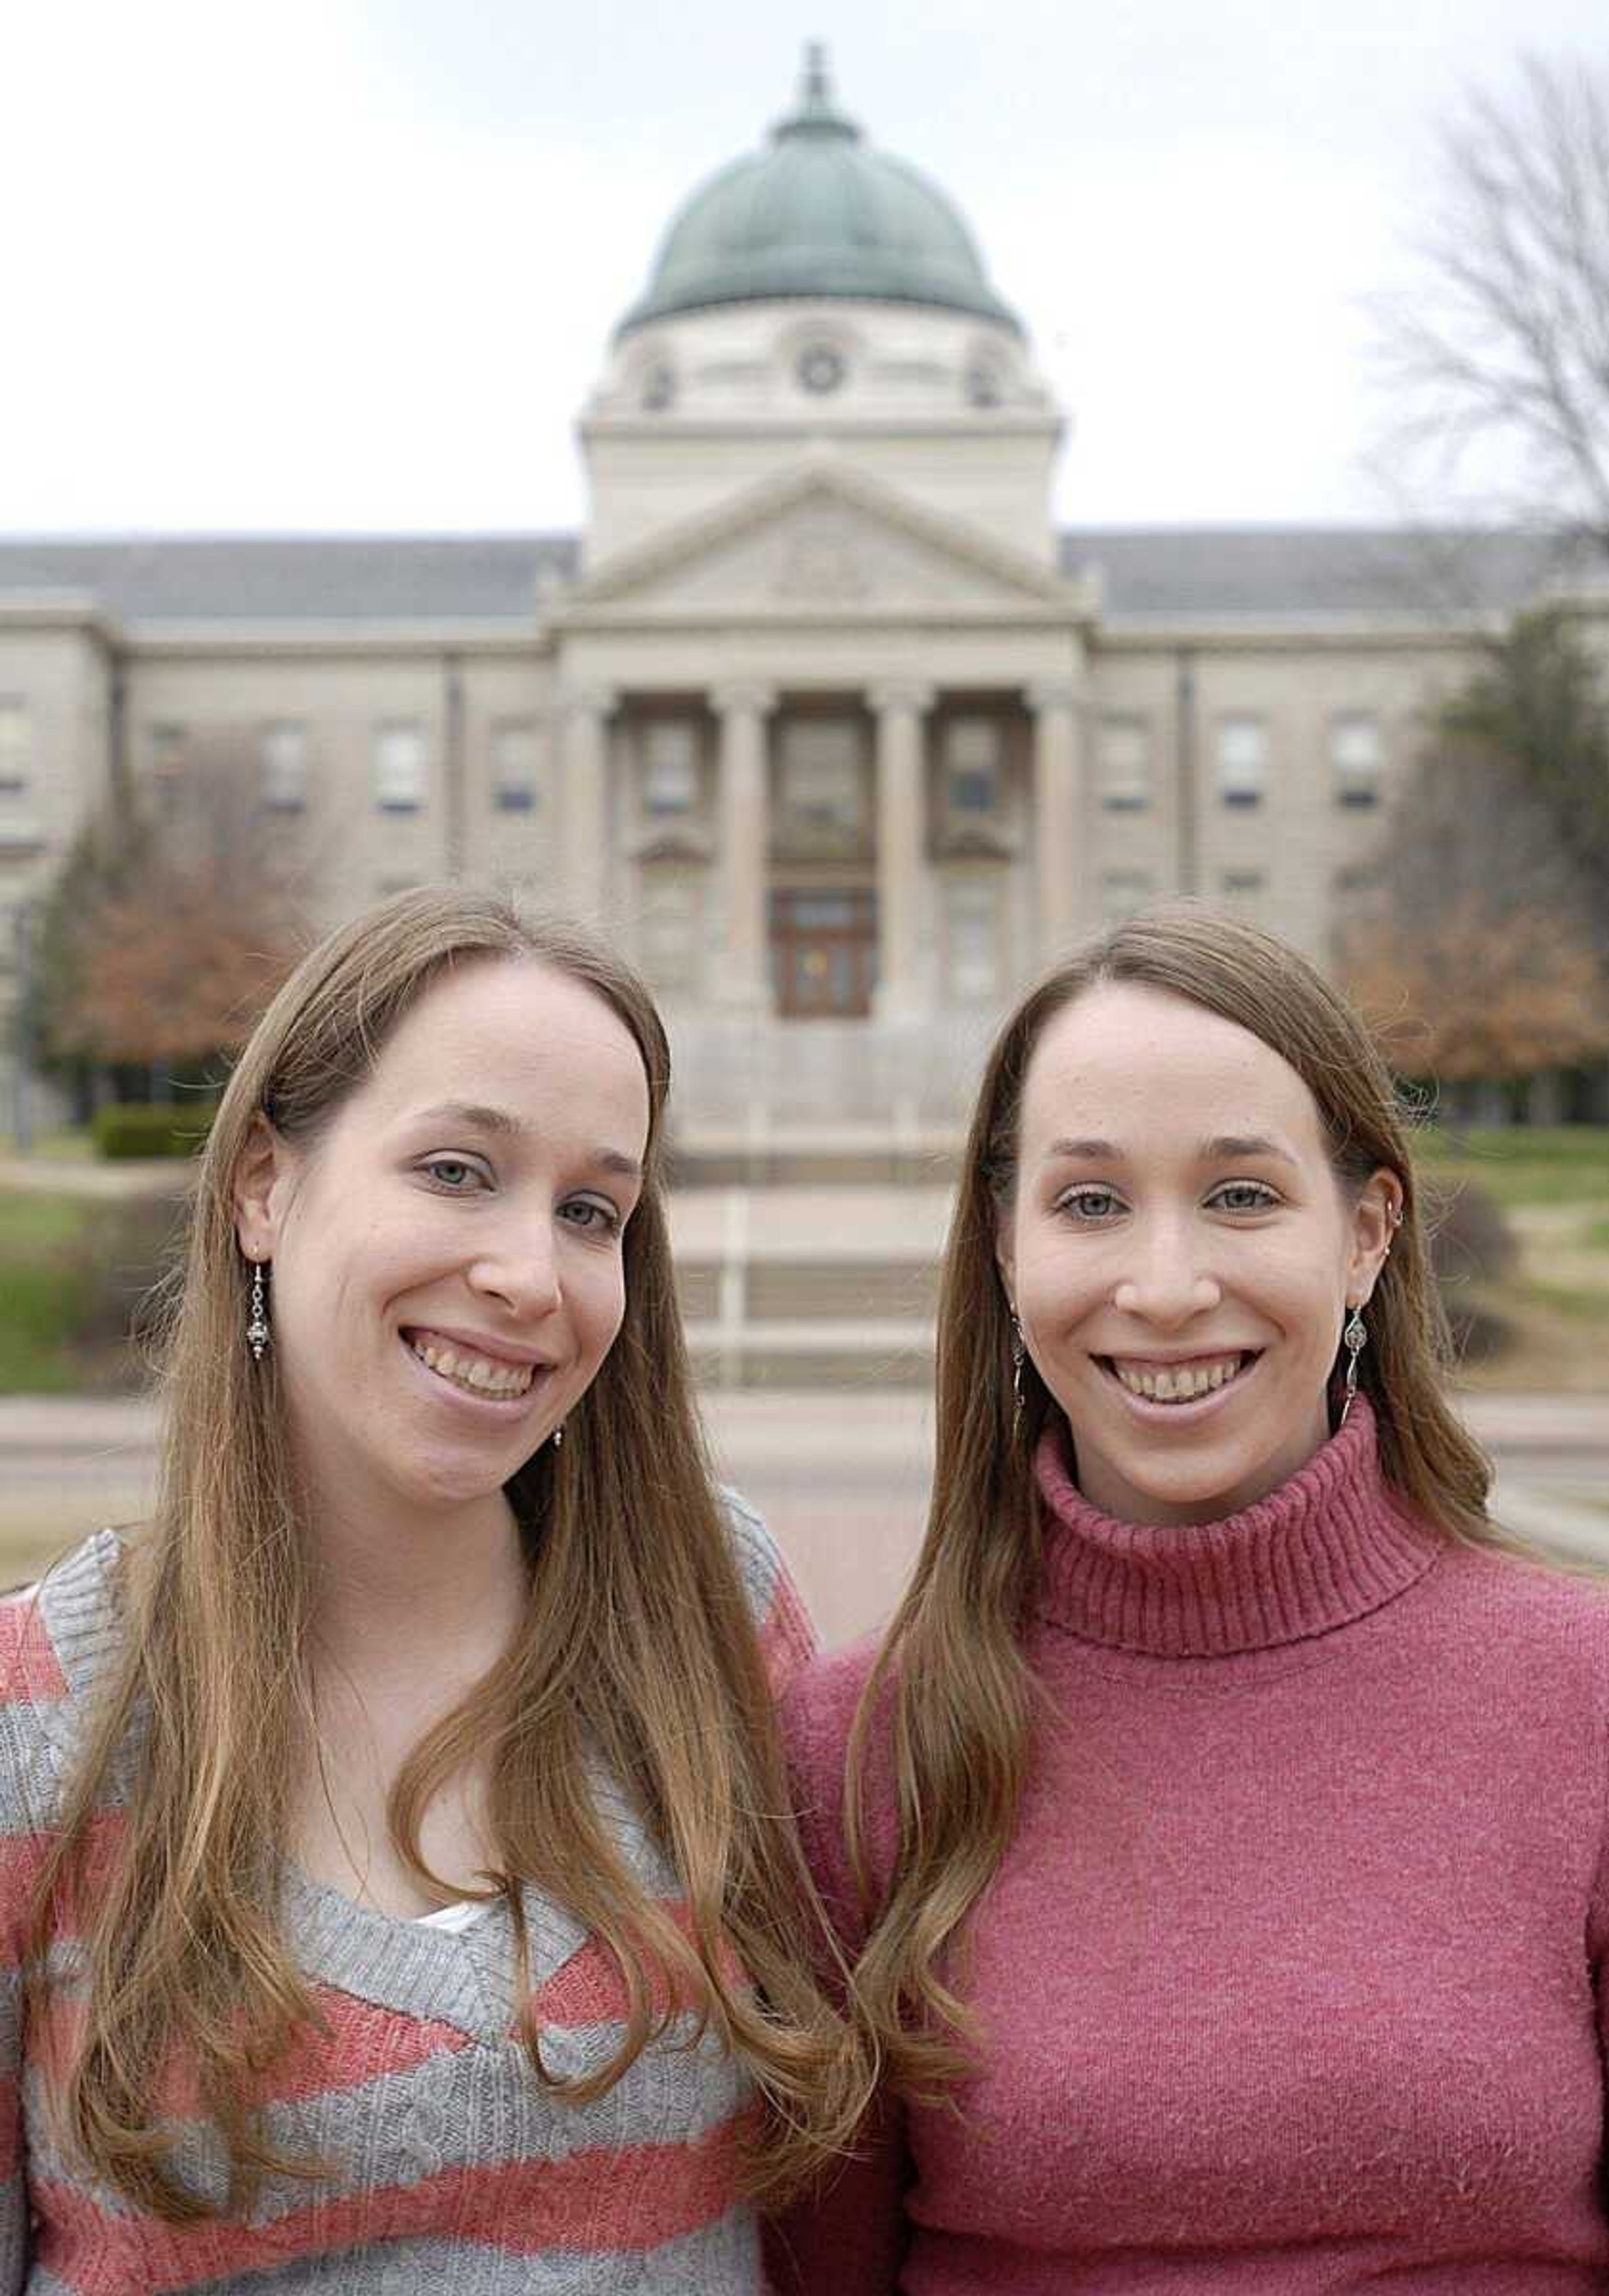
[454, 2174]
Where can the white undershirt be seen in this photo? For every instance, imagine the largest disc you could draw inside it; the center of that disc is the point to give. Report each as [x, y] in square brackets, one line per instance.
[454, 1917]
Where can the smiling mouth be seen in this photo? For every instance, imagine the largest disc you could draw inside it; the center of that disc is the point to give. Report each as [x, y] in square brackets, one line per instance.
[1182, 1382]
[474, 1374]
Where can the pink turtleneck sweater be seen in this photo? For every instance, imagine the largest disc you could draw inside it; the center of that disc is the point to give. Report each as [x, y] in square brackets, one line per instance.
[1290, 1978]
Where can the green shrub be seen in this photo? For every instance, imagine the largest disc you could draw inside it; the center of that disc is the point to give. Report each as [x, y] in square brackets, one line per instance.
[115, 1274]
[1472, 1244]
[150, 1129]
[80, 1291]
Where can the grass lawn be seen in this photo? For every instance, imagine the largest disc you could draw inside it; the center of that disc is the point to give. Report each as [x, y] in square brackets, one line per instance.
[1568, 1164]
[40, 1290]
[75, 1146]
[31, 1224]
[1553, 1185]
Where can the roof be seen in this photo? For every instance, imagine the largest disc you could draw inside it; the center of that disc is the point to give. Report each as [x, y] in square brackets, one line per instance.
[1157, 573]
[1269, 571]
[818, 213]
[300, 577]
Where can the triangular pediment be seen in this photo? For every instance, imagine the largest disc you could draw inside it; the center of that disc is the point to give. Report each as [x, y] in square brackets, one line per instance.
[820, 540]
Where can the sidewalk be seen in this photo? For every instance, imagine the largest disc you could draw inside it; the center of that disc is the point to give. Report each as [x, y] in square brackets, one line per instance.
[841, 1474]
[863, 1421]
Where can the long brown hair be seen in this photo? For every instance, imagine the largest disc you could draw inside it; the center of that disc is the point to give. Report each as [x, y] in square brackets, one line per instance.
[637, 1647]
[949, 1707]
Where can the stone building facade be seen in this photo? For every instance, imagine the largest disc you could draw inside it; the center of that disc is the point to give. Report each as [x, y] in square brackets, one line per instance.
[820, 715]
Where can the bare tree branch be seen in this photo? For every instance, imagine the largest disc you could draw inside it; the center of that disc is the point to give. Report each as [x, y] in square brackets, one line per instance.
[1501, 351]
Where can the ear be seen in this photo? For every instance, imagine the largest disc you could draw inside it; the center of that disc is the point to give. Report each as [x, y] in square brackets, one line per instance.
[1377, 1216]
[258, 1190]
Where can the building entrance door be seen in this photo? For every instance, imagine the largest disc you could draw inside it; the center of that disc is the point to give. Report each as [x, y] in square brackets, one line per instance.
[824, 953]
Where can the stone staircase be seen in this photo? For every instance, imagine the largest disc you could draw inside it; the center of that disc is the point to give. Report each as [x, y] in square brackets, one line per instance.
[794, 1286]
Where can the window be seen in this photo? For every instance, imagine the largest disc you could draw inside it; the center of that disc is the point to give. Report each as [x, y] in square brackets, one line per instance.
[1355, 757]
[972, 913]
[823, 791]
[973, 758]
[820, 368]
[669, 768]
[399, 766]
[515, 766]
[985, 386]
[672, 931]
[1123, 891]
[285, 766]
[1243, 887]
[1125, 763]
[1242, 760]
[15, 745]
[659, 388]
[168, 746]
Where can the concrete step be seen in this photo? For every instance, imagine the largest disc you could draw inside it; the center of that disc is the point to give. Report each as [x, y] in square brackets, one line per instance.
[828, 1352]
[870, 1291]
[839, 1157]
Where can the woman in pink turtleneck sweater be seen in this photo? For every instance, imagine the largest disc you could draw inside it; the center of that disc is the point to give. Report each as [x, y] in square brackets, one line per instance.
[1223, 1840]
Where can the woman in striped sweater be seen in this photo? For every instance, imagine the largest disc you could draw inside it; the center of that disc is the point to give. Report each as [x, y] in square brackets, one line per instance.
[392, 1892]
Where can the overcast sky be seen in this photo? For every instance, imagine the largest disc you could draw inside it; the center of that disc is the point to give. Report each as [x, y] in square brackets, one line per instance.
[317, 264]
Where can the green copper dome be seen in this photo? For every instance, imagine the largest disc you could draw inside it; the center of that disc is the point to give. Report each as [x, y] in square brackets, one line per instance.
[817, 213]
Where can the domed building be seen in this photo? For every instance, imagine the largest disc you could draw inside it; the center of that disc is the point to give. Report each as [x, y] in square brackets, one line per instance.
[819, 714]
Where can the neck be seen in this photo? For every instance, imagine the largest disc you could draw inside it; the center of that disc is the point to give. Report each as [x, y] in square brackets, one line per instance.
[395, 1596]
[1330, 1544]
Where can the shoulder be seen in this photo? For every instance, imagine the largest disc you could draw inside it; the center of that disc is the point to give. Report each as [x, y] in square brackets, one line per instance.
[55, 1639]
[759, 1565]
[817, 1714]
[1526, 1639]
[787, 1637]
[1543, 1610]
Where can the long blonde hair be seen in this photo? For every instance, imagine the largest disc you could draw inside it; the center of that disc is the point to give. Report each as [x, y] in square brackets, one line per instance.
[637, 1647]
[949, 1707]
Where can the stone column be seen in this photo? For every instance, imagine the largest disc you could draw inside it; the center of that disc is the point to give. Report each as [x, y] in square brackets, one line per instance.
[1057, 792]
[584, 716]
[742, 711]
[900, 710]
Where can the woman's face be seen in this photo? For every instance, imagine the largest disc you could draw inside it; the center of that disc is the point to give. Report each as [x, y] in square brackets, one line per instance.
[447, 1270]
[1180, 1253]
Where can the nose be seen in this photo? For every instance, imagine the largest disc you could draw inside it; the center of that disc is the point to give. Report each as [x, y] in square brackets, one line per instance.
[519, 1266]
[1165, 1282]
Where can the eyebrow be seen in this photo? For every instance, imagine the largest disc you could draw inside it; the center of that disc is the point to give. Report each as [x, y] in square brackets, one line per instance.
[1223, 1147]
[502, 1126]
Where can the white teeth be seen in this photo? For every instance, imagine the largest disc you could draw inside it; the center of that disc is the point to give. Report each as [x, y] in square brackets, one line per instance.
[1178, 1382]
[474, 1372]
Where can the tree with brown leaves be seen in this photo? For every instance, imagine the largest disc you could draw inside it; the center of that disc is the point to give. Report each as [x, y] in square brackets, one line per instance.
[1477, 952]
[173, 924]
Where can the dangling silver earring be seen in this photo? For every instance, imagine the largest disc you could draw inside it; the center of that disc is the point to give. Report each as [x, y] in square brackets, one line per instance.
[257, 1323]
[558, 1436]
[1355, 1337]
[1018, 1350]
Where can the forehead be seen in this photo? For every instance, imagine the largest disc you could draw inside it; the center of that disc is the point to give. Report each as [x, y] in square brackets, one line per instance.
[518, 1034]
[1141, 1066]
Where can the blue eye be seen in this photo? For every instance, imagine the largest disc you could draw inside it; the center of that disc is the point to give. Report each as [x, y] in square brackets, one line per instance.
[597, 1219]
[1253, 1196]
[452, 1175]
[1089, 1205]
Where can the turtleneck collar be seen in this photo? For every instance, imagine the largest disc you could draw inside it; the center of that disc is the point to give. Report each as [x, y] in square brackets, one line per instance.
[1327, 1548]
